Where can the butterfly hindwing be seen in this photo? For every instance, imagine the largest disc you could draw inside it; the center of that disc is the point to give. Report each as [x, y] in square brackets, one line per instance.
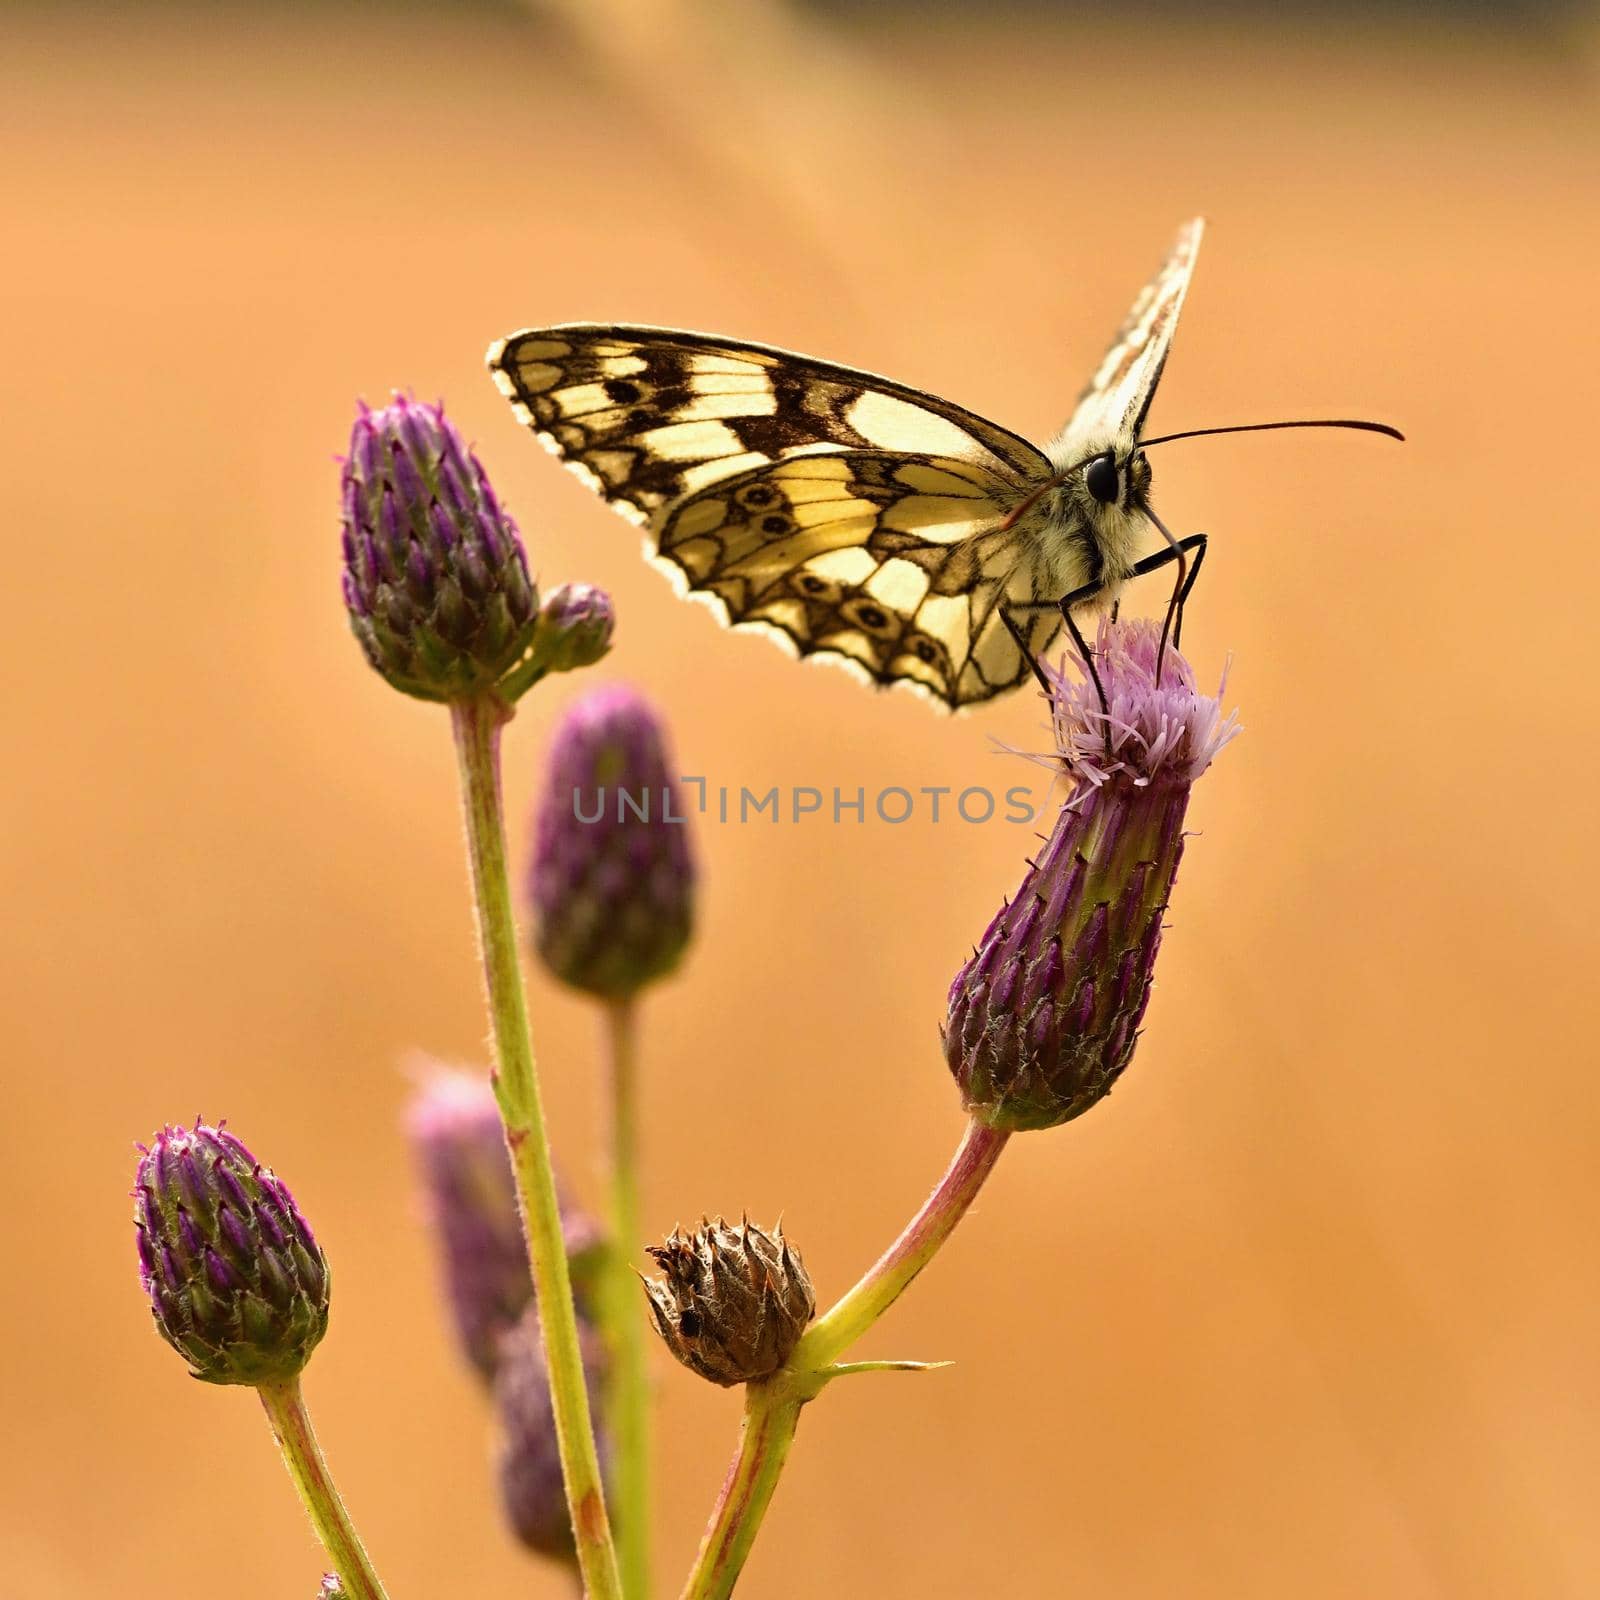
[651, 414]
[893, 561]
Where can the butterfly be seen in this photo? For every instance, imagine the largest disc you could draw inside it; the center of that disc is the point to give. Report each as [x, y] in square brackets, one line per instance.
[854, 516]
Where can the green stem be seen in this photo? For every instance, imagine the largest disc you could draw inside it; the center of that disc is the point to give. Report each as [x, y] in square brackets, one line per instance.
[302, 1455]
[477, 729]
[771, 1415]
[772, 1409]
[628, 1411]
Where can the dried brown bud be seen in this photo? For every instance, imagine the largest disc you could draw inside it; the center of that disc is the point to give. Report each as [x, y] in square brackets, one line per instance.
[732, 1301]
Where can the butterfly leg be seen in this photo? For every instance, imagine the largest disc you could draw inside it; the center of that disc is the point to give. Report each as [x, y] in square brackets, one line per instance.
[1176, 551]
[1085, 652]
[1196, 542]
[1067, 602]
[1064, 606]
[1022, 645]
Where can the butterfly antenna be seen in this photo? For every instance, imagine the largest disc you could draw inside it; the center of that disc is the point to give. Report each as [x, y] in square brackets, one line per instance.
[1268, 427]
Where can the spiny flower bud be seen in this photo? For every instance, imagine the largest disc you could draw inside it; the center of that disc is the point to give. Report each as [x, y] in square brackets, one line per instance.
[331, 1589]
[531, 1487]
[732, 1301]
[471, 1194]
[575, 626]
[1045, 1015]
[612, 881]
[435, 579]
[237, 1283]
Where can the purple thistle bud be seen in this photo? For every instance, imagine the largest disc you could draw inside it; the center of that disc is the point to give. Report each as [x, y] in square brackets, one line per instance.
[242, 1303]
[331, 1588]
[612, 883]
[435, 579]
[732, 1302]
[575, 626]
[1044, 1017]
[529, 1458]
[455, 1131]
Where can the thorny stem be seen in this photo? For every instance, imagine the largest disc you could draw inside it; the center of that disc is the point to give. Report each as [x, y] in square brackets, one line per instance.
[772, 1409]
[477, 726]
[302, 1455]
[628, 1394]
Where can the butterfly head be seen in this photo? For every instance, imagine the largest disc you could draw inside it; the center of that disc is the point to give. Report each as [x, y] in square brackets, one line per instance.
[1094, 509]
[1120, 481]
[1097, 494]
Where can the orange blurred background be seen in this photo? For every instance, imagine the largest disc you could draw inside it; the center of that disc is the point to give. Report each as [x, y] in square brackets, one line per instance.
[1311, 1306]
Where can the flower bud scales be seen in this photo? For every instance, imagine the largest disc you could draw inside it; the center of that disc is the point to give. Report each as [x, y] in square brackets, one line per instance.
[574, 629]
[731, 1302]
[435, 580]
[612, 881]
[237, 1283]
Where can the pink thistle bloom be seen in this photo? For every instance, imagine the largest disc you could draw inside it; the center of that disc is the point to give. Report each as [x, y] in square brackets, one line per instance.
[1043, 1018]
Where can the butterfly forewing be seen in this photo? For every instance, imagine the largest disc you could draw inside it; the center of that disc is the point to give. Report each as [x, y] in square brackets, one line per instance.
[1111, 410]
[653, 414]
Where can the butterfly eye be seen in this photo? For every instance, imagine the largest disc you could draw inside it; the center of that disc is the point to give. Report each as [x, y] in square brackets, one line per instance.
[1100, 476]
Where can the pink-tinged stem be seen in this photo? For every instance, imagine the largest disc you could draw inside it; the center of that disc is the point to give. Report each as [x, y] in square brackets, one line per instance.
[771, 1413]
[843, 1323]
[772, 1409]
[477, 729]
[291, 1426]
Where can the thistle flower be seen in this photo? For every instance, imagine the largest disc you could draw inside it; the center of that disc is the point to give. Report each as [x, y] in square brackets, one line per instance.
[331, 1588]
[612, 881]
[471, 1194]
[732, 1301]
[529, 1458]
[574, 630]
[435, 579]
[238, 1285]
[1044, 1017]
